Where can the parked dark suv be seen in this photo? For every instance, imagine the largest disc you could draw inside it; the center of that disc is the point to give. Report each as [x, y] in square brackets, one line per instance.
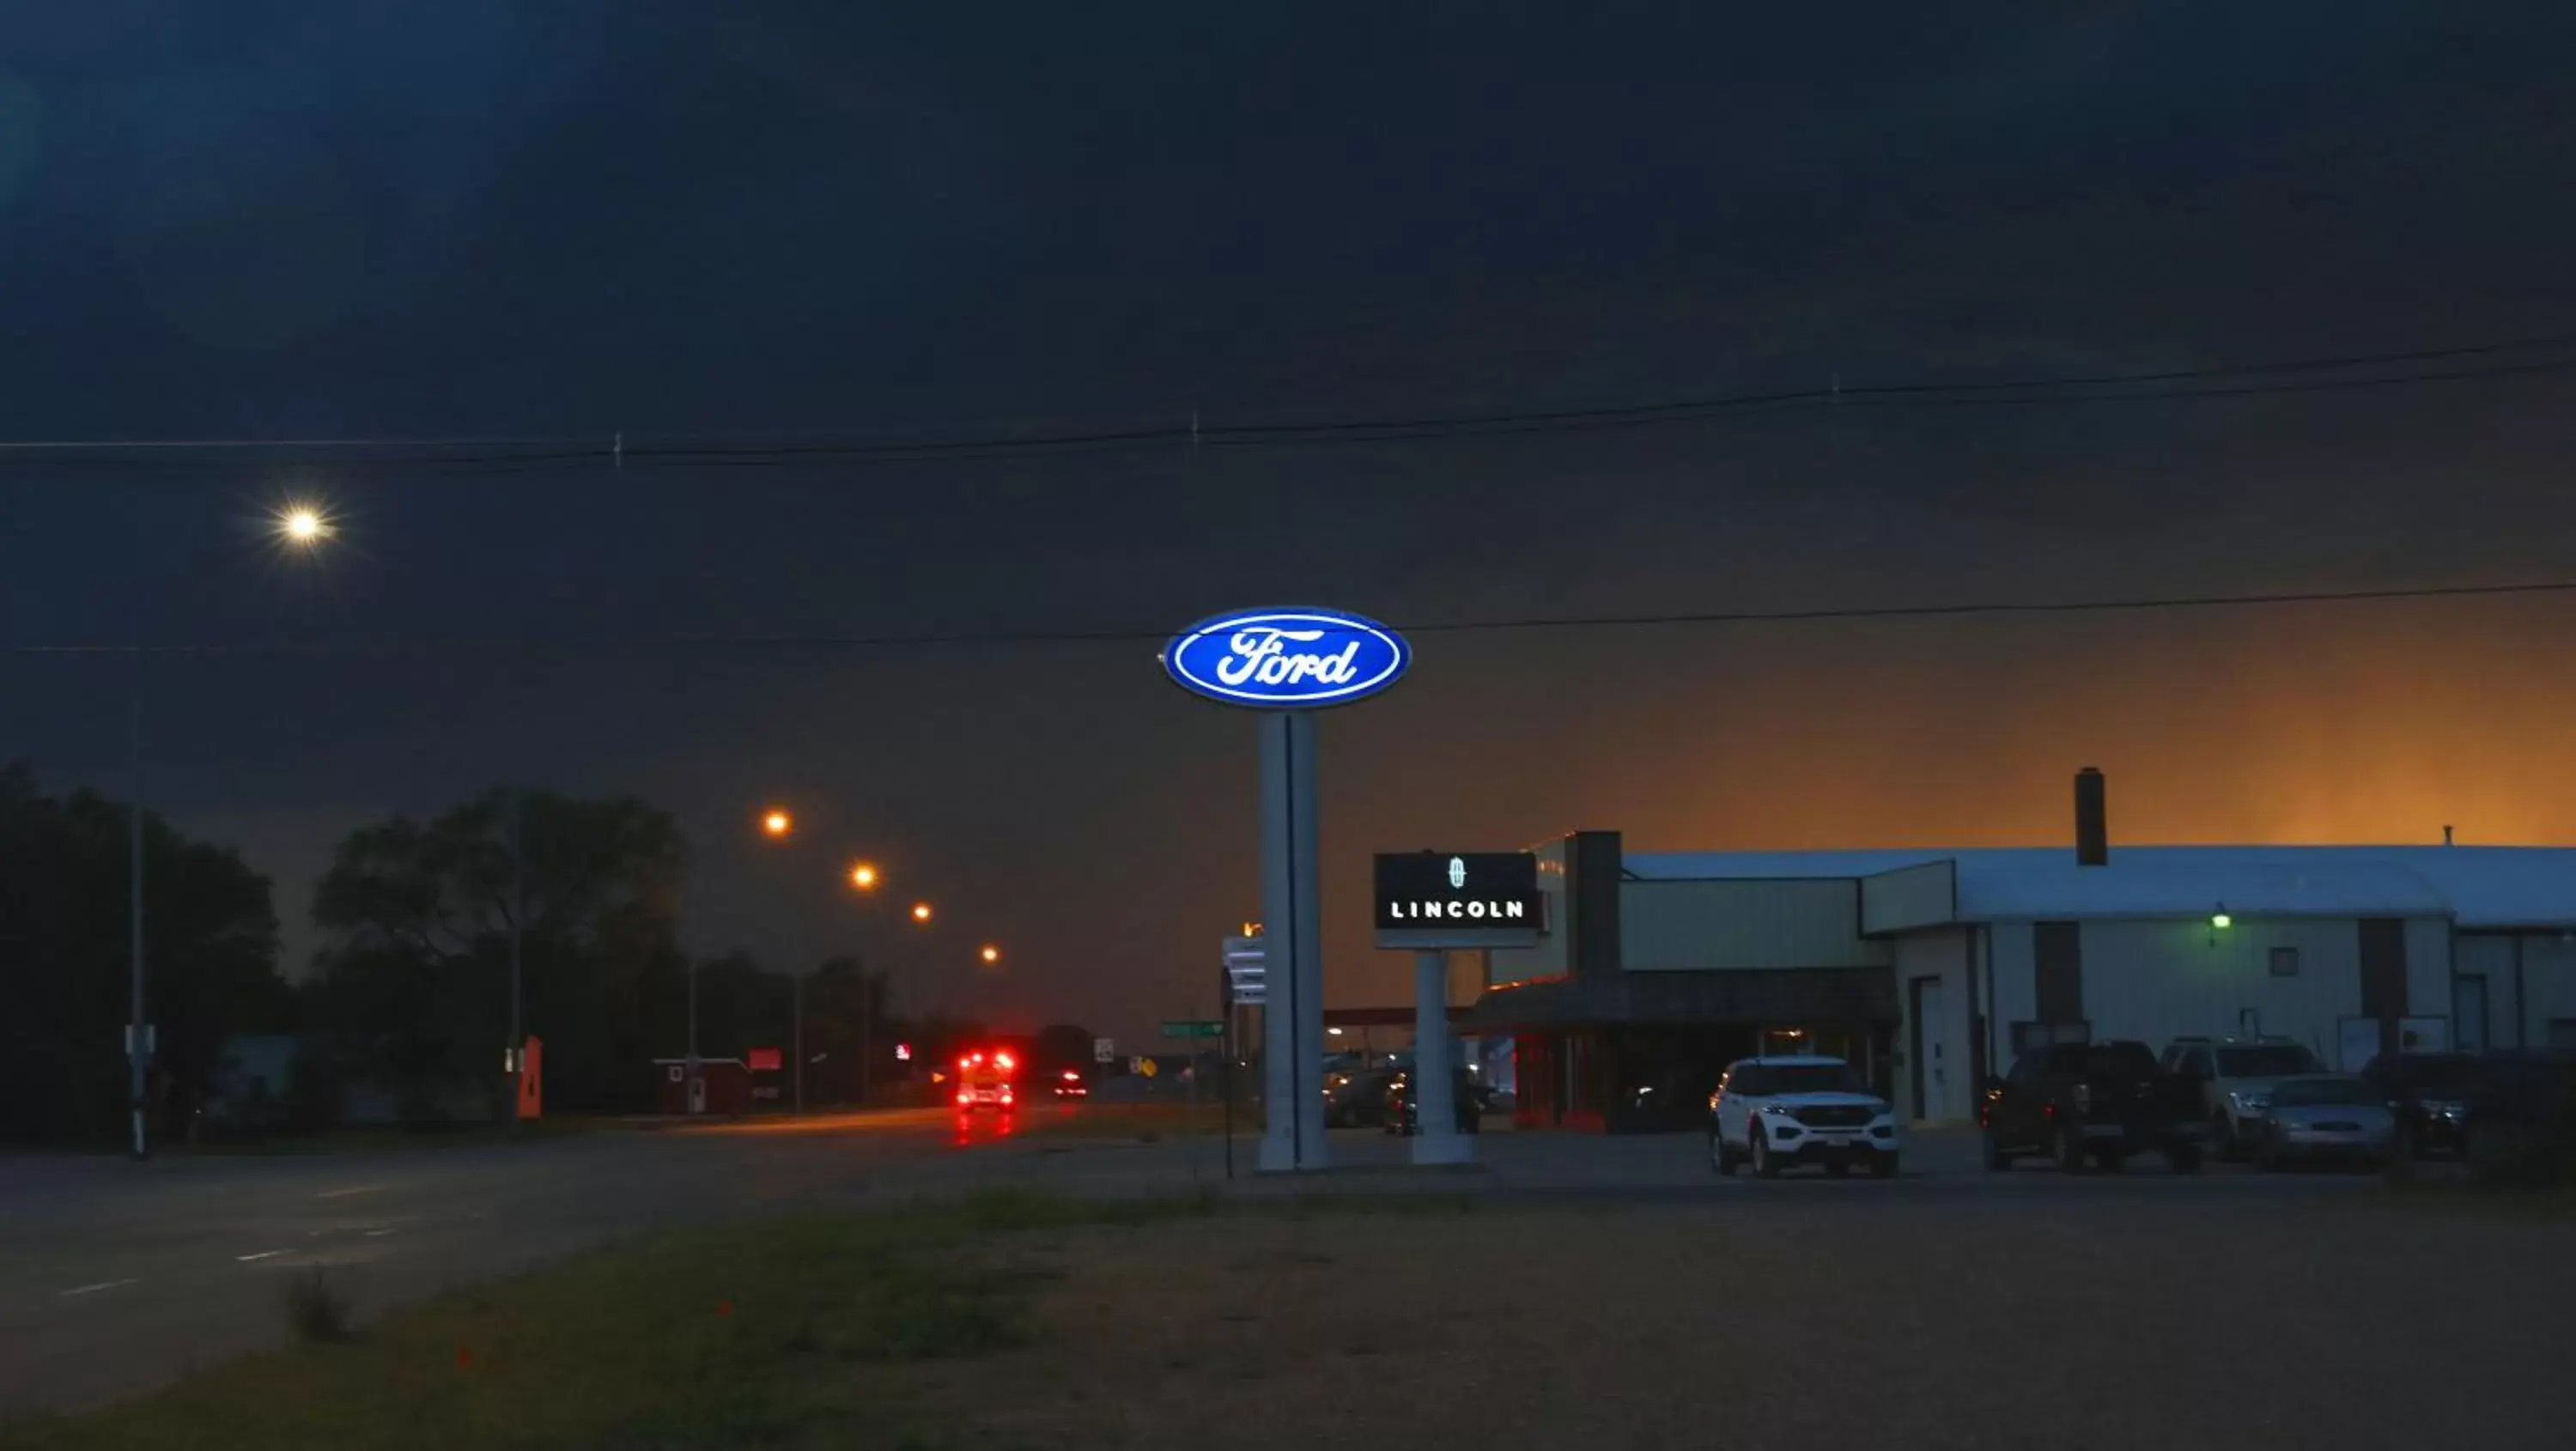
[2427, 1092]
[2519, 1117]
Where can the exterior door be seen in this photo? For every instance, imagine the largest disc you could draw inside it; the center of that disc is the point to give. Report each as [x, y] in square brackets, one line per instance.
[2469, 1014]
[1924, 1055]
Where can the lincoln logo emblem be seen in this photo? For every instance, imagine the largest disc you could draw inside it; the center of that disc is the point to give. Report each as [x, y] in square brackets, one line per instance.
[1457, 873]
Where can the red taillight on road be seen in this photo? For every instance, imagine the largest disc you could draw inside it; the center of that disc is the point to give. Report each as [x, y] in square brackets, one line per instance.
[965, 1095]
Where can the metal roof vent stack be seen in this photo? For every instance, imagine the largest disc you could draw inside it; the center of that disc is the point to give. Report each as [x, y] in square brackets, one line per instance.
[2092, 825]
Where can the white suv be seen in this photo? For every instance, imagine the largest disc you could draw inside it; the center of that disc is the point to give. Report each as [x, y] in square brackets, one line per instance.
[1775, 1112]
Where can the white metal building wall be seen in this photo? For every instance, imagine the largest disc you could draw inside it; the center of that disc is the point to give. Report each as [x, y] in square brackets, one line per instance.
[2160, 980]
[1910, 898]
[1949, 1089]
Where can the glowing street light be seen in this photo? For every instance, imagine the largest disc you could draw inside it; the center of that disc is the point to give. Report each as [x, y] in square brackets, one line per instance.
[863, 876]
[303, 525]
[990, 954]
[921, 912]
[777, 823]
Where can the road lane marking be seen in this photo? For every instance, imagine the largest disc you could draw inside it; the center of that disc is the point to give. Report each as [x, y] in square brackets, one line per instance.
[379, 1233]
[345, 1193]
[266, 1254]
[94, 1289]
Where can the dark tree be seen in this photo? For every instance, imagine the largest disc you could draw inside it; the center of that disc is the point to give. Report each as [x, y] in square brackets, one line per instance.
[417, 974]
[210, 935]
[848, 1028]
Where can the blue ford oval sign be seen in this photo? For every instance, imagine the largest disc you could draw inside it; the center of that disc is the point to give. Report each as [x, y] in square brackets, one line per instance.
[1287, 659]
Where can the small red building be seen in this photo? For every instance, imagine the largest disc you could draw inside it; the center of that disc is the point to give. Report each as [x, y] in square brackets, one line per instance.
[724, 1086]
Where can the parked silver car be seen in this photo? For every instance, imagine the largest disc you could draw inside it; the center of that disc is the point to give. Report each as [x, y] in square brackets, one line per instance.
[2326, 1118]
[2236, 1077]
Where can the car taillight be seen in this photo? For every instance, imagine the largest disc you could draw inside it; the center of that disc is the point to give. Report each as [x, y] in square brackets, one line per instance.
[2084, 1098]
[965, 1095]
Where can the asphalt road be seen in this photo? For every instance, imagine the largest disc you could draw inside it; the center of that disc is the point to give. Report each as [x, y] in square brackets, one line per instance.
[116, 1276]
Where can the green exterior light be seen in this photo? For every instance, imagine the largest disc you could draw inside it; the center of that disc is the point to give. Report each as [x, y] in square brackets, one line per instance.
[2219, 921]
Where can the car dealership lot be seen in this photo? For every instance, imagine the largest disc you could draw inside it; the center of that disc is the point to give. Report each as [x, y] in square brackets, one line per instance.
[1939, 1163]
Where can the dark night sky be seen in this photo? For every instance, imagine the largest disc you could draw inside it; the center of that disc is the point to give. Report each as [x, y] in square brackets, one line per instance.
[837, 220]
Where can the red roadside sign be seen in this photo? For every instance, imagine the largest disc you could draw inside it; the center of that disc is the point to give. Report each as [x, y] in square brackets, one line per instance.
[762, 1060]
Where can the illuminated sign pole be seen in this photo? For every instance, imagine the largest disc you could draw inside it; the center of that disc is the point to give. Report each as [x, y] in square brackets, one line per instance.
[1431, 902]
[1292, 918]
[1289, 663]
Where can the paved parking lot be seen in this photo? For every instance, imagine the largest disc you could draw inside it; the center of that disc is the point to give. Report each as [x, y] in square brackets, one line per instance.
[1601, 1297]
[1939, 1163]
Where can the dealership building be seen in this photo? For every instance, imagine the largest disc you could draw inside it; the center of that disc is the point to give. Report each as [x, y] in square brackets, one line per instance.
[1929, 969]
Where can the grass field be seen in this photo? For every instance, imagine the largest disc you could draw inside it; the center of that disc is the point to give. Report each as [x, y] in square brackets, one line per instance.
[799, 1334]
[1017, 1322]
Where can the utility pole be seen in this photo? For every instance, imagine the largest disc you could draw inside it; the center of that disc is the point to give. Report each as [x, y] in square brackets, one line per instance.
[796, 1033]
[867, 1030]
[513, 1053]
[138, 1042]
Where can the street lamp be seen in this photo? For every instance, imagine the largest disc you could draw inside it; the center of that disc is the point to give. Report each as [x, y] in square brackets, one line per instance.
[921, 913]
[776, 823]
[863, 876]
[990, 954]
[304, 526]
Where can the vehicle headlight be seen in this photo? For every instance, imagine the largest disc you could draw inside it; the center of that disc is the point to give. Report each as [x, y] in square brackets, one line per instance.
[1776, 1110]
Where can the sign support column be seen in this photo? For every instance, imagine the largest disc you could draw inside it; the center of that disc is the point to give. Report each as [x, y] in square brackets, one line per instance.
[1436, 1139]
[1292, 1136]
[1287, 664]
[1433, 903]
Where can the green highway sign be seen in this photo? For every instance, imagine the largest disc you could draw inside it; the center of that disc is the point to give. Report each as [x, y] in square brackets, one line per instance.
[1208, 1028]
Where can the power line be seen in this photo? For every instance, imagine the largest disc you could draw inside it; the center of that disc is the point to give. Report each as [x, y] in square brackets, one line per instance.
[657, 644]
[2169, 385]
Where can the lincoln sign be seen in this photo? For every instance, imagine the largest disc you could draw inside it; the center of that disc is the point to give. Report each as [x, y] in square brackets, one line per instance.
[1464, 899]
[1287, 659]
